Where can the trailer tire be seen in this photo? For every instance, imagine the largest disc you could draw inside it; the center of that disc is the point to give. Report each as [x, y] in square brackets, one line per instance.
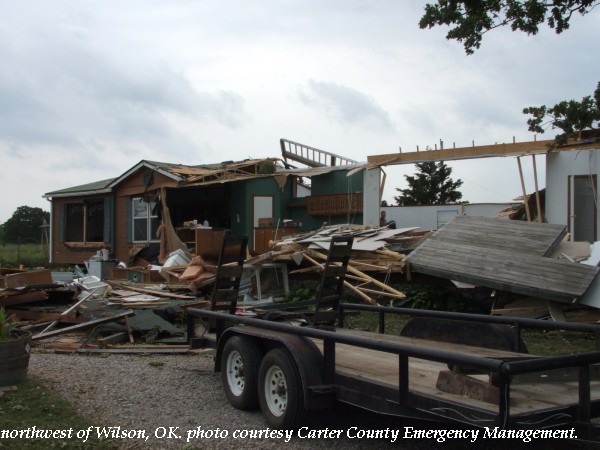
[280, 390]
[239, 372]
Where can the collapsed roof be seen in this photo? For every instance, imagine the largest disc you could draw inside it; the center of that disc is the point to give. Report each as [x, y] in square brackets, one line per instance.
[507, 255]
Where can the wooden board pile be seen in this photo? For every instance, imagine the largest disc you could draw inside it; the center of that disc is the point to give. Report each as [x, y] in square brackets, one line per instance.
[370, 254]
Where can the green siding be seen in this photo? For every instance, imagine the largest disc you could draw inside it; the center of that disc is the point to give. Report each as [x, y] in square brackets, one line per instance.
[337, 183]
[261, 186]
[239, 209]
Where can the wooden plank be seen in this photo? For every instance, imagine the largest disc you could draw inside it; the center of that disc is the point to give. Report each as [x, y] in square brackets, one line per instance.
[112, 339]
[524, 274]
[525, 196]
[65, 312]
[27, 297]
[481, 151]
[466, 386]
[43, 316]
[29, 278]
[510, 235]
[83, 326]
[471, 258]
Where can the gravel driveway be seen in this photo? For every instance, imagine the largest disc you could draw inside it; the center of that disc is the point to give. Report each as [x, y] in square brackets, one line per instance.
[151, 393]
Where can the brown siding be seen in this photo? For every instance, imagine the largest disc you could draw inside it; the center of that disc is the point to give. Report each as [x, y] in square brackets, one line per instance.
[62, 254]
[131, 186]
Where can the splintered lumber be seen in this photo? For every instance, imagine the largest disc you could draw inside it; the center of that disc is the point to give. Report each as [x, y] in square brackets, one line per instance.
[65, 312]
[112, 339]
[37, 317]
[82, 326]
[151, 291]
[362, 277]
[398, 295]
[378, 283]
[348, 285]
[360, 293]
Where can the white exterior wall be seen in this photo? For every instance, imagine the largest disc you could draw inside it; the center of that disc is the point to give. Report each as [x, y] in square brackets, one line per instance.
[430, 217]
[559, 166]
[371, 191]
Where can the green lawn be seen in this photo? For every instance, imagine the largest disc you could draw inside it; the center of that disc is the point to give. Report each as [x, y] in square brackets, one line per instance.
[33, 405]
[29, 255]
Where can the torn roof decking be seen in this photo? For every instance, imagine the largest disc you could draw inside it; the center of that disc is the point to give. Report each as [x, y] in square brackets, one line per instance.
[509, 235]
[499, 257]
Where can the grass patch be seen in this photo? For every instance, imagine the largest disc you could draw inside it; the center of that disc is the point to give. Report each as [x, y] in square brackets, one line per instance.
[34, 405]
[554, 343]
[29, 255]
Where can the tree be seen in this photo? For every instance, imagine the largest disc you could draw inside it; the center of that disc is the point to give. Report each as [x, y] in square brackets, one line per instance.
[472, 18]
[432, 186]
[572, 117]
[25, 225]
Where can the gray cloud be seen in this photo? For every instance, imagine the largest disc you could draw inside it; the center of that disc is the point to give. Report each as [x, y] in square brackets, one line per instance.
[347, 105]
[60, 89]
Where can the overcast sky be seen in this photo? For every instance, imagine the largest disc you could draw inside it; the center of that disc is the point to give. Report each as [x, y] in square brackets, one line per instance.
[90, 88]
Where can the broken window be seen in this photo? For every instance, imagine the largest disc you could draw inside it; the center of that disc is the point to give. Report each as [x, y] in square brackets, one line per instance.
[84, 222]
[94, 229]
[145, 220]
[74, 222]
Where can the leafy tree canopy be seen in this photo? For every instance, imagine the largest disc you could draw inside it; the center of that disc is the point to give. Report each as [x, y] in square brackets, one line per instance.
[432, 185]
[25, 225]
[470, 19]
[571, 116]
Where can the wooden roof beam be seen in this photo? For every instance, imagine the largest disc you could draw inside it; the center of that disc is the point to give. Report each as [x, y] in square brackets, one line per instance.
[481, 151]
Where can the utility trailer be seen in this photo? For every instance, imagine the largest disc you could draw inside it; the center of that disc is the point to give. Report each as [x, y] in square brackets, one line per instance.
[288, 370]
[450, 367]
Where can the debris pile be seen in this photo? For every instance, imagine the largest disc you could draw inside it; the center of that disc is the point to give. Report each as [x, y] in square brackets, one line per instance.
[142, 307]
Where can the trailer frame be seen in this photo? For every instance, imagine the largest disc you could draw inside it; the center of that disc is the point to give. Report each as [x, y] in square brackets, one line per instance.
[314, 352]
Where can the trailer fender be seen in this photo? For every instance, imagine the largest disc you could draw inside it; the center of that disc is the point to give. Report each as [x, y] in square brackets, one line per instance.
[305, 353]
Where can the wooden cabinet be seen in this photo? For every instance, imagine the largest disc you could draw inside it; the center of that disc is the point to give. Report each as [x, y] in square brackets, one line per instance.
[209, 242]
[187, 235]
[263, 235]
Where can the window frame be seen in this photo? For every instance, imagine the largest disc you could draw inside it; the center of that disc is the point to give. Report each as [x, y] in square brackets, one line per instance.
[148, 217]
[83, 222]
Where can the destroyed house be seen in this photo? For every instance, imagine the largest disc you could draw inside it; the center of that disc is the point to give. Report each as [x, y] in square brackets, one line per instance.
[571, 171]
[259, 197]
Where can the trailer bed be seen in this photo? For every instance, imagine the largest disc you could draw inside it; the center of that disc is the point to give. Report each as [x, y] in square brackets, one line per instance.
[382, 368]
[424, 378]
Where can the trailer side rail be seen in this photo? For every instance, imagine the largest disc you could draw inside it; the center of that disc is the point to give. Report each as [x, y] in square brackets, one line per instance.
[503, 369]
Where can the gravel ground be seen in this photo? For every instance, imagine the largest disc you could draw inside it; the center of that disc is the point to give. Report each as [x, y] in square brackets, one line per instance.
[156, 392]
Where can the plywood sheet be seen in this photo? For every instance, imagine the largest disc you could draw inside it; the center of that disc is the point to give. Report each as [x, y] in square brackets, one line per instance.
[516, 236]
[508, 271]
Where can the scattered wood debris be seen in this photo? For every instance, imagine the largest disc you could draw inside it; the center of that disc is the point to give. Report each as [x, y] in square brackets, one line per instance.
[144, 304]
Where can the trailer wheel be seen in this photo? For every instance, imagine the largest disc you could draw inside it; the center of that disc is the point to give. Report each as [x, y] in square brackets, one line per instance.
[239, 372]
[280, 390]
